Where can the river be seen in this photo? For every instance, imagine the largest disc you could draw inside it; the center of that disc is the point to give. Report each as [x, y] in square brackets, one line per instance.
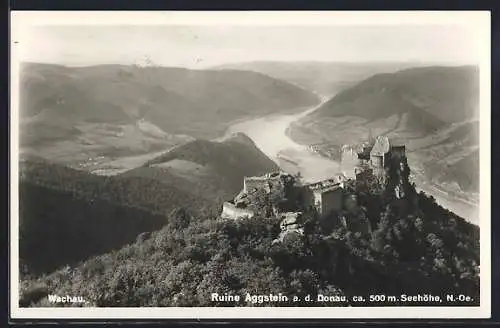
[269, 135]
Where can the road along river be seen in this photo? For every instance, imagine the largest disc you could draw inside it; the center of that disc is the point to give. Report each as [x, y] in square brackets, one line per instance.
[269, 135]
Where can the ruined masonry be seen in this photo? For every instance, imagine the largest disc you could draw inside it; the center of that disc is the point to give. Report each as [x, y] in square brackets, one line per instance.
[333, 195]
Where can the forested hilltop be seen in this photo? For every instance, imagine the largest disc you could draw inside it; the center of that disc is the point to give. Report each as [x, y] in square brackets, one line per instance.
[67, 215]
[416, 247]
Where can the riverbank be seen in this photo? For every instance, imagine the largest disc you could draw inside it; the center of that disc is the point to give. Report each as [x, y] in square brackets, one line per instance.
[461, 203]
[269, 135]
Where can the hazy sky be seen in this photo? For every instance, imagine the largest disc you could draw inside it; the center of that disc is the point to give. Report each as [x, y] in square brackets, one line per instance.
[201, 46]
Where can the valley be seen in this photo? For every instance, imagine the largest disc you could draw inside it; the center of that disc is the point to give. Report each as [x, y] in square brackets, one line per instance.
[107, 119]
[299, 138]
[273, 137]
[110, 135]
[158, 191]
[433, 110]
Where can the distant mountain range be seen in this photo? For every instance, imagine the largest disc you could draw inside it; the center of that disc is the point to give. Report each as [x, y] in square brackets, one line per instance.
[71, 114]
[432, 96]
[324, 78]
[178, 100]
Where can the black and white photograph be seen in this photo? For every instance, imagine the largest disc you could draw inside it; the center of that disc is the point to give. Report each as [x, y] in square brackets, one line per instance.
[250, 164]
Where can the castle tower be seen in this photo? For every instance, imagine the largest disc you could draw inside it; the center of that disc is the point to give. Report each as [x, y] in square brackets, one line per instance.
[380, 152]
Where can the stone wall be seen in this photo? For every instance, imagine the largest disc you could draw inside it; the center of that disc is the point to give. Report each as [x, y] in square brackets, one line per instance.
[230, 211]
[331, 201]
[377, 161]
[306, 196]
[265, 183]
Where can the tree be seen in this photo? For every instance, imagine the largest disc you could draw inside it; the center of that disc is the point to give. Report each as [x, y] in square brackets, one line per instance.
[429, 250]
[260, 203]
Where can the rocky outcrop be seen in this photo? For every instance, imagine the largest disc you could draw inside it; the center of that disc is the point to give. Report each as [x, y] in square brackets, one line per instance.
[290, 223]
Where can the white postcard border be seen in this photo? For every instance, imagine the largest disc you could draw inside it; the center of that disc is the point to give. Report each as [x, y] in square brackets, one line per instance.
[478, 22]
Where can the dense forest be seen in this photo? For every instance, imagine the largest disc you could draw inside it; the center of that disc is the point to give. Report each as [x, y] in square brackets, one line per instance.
[416, 247]
[68, 215]
[137, 192]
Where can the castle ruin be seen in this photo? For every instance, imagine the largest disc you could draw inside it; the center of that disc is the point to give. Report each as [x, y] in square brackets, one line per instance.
[266, 182]
[370, 157]
[332, 196]
[325, 198]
